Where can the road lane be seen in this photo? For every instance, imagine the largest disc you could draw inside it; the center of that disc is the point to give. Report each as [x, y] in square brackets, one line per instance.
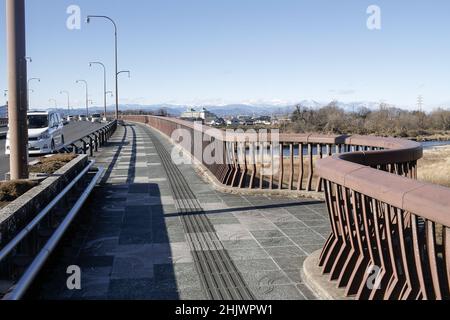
[72, 131]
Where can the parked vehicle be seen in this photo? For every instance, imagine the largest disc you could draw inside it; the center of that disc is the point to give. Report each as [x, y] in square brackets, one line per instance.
[45, 132]
[82, 117]
[96, 118]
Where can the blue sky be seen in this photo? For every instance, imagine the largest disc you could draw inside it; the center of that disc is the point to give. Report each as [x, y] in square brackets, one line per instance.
[237, 51]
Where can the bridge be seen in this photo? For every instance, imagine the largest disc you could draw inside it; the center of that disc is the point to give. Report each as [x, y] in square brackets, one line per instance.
[337, 210]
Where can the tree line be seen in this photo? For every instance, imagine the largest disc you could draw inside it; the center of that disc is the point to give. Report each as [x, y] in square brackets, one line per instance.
[386, 120]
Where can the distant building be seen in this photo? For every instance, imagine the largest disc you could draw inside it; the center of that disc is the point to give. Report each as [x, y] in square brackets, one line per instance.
[233, 122]
[281, 121]
[245, 120]
[217, 122]
[203, 115]
[264, 120]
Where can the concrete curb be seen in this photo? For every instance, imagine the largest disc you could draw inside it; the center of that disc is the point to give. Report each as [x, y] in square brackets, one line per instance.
[16, 215]
[318, 283]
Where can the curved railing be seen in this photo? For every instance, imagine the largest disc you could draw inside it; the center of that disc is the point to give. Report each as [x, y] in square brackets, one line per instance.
[391, 236]
[390, 233]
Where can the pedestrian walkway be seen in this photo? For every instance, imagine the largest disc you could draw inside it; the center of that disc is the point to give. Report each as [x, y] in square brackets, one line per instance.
[154, 230]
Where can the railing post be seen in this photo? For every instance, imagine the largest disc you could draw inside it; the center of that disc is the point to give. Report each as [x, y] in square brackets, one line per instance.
[84, 146]
[96, 142]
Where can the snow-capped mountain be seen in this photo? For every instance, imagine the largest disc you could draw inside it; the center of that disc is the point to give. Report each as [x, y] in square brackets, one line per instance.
[254, 109]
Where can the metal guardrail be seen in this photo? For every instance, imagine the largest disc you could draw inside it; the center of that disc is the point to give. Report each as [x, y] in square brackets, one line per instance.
[384, 222]
[20, 287]
[91, 141]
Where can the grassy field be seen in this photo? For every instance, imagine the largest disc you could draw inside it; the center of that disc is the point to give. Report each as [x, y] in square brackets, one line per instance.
[435, 166]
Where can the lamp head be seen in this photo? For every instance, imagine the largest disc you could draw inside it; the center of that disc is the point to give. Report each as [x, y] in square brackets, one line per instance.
[88, 19]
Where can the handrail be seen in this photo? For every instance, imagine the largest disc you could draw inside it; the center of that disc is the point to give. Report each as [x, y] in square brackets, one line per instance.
[6, 250]
[33, 269]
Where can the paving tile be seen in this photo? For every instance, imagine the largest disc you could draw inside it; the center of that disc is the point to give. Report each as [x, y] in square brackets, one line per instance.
[290, 263]
[291, 251]
[252, 265]
[240, 244]
[245, 254]
[265, 234]
[138, 289]
[132, 267]
[275, 242]
[258, 279]
[282, 292]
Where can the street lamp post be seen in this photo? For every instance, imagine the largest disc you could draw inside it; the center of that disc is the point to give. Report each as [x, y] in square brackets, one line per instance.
[28, 92]
[115, 56]
[17, 85]
[68, 102]
[104, 83]
[87, 96]
[129, 76]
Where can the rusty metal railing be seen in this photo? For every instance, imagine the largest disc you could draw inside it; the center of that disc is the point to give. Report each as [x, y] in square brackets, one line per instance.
[390, 233]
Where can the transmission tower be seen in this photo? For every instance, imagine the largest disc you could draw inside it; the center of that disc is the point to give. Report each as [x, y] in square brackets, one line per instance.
[420, 103]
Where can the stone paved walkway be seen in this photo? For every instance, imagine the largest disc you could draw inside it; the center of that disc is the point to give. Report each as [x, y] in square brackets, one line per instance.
[131, 244]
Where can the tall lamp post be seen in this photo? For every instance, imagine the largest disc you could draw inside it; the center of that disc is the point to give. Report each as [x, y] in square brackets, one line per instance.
[28, 92]
[129, 76]
[17, 85]
[68, 102]
[87, 95]
[104, 83]
[115, 55]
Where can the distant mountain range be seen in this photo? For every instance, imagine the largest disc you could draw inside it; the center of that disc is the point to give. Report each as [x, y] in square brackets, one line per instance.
[249, 109]
[222, 110]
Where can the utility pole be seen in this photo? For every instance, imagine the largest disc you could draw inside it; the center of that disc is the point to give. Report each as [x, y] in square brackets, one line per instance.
[88, 20]
[17, 89]
[68, 102]
[87, 95]
[28, 86]
[104, 83]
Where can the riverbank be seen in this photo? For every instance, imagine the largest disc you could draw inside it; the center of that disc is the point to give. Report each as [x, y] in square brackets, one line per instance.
[432, 137]
[434, 167]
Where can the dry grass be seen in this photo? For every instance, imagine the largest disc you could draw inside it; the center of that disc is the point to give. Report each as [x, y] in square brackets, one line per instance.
[435, 166]
[11, 190]
[51, 164]
[286, 172]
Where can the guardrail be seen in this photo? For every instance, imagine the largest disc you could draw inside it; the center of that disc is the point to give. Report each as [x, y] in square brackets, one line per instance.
[390, 233]
[91, 141]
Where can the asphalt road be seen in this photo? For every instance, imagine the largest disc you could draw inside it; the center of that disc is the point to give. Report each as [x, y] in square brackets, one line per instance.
[72, 131]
